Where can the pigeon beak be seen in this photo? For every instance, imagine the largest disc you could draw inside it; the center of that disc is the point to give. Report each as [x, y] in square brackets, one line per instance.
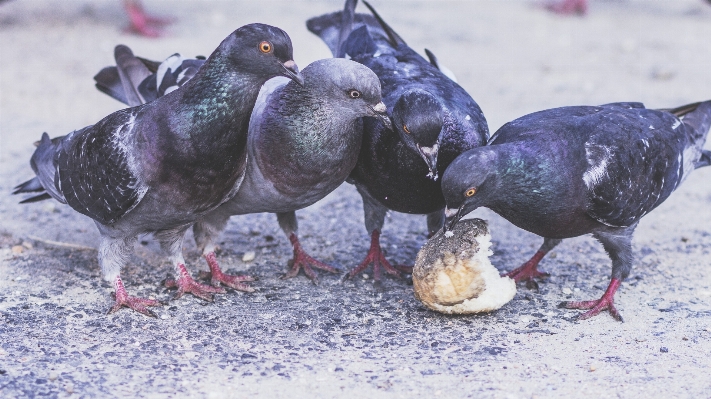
[380, 112]
[292, 72]
[452, 216]
[429, 154]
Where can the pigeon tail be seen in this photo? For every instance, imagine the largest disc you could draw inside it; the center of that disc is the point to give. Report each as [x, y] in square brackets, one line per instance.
[131, 72]
[347, 19]
[394, 39]
[108, 82]
[30, 186]
[335, 28]
[136, 80]
[697, 117]
[42, 163]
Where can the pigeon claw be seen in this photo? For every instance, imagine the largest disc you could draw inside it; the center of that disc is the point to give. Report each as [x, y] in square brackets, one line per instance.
[138, 304]
[377, 258]
[122, 299]
[529, 270]
[304, 261]
[186, 285]
[606, 302]
[142, 23]
[568, 7]
[217, 277]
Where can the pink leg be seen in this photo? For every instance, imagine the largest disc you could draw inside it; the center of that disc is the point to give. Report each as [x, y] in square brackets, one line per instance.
[376, 257]
[142, 23]
[528, 270]
[579, 7]
[122, 298]
[186, 284]
[216, 276]
[305, 261]
[606, 302]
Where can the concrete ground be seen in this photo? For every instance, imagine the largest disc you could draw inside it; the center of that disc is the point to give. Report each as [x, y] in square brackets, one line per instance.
[352, 339]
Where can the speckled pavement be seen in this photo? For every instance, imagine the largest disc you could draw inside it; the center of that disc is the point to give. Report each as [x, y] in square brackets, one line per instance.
[292, 339]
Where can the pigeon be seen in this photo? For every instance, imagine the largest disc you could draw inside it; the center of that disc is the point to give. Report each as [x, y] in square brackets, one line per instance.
[579, 7]
[433, 118]
[570, 171]
[157, 167]
[142, 23]
[303, 141]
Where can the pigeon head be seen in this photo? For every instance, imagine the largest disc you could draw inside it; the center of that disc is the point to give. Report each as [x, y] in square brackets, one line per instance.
[348, 85]
[261, 50]
[419, 120]
[470, 181]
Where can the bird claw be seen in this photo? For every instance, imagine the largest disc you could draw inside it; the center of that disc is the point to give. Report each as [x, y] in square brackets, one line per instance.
[232, 281]
[304, 261]
[186, 285]
[606, 302]
[135, 303]
[142, 23]
[567, 7]
[217, 277]
[404, 268]
[594, 308]
[376, 257]
[528, 271]
[307, 263]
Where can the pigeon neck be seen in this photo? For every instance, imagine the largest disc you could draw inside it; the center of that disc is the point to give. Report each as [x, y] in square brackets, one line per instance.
[219, 101]
[520, 179]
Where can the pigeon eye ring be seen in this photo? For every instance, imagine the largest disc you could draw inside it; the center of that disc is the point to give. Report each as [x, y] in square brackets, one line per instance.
[265, 47]
[354, 93]
[470, 192]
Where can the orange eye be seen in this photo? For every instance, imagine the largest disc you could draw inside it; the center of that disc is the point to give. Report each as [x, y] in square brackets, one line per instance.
[265, 47]
[470, 192]
[404, 127]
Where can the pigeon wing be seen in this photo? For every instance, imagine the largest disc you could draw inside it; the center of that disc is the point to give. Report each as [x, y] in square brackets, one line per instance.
[631, 171]
[95, 170]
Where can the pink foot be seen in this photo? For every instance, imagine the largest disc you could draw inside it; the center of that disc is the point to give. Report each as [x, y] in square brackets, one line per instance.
[606, 302]
[529, 270]
[142, 23]
[186, 284]
[376, 257]
[138, 304]
[568, 7]
[217, 277]
[302, 260]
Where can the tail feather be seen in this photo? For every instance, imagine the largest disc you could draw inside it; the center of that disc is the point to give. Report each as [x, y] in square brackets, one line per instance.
[132, 72]
[696, 116]
[347, 19]
[30, 186]
[330, 27]
[42, 163]
[683, 110]
[150, 64]
[394, 39]
[36, 198]
[704, 159]
[108, 82]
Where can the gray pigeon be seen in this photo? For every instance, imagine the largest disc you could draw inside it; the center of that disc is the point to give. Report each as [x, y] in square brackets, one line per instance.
[158, 167]
[303, 142]
[570, 171]
[434, 120]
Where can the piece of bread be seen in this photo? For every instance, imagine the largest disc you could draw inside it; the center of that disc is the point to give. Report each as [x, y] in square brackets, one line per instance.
[453, 274]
